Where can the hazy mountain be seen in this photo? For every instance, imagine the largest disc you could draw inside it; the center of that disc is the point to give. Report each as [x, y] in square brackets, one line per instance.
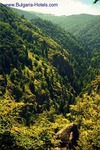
[84, 27]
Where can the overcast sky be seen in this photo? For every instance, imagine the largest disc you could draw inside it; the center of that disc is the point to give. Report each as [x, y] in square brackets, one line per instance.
[61, 7]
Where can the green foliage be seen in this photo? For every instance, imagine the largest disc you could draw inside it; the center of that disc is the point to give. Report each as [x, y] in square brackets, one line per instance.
[86, 113]
[84, 27]
[39, 82]
[79, 58]
[7, 141]
[40, 133]
[3, 83]
[11, 47]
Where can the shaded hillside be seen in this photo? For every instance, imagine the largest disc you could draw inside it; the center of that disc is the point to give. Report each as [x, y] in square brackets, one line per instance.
[84, 27]
[33, 94]
[85, 64]
[75, 24]
[28, 71]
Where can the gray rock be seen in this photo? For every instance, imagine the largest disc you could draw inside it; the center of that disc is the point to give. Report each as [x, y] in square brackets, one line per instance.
[68, 136]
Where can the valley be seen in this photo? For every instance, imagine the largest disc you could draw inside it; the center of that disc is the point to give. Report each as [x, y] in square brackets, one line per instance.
[49, 78]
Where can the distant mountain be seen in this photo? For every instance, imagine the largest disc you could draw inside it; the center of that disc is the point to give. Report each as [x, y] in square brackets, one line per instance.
[84, 27]
[28, 15]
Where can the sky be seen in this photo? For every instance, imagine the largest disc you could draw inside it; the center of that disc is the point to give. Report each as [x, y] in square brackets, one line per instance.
[56, 7]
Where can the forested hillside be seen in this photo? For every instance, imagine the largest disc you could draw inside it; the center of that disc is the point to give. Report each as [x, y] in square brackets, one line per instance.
[82, 56]
[84, 27]
[47, 80]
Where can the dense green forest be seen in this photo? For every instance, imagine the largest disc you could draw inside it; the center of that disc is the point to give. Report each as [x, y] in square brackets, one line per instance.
[48, 79]
[84, 27]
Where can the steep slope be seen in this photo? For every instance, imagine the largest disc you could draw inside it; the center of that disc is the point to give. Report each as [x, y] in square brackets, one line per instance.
[49, 42]
[29, 15]
[33, 93]
[84, 27]
[27, 64]
[81, 54]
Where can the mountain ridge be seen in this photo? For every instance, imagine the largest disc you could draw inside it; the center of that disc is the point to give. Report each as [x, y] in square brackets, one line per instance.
[75, 24]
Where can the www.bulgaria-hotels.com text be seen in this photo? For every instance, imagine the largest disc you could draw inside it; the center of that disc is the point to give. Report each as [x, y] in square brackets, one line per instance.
[17, 4]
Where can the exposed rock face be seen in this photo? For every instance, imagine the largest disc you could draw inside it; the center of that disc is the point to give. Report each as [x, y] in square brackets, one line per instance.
[68, 136]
